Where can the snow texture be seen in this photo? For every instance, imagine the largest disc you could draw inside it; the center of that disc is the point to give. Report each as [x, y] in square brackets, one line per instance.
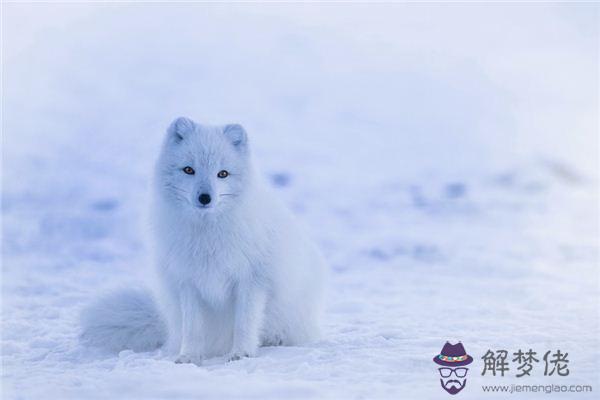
[443, 156]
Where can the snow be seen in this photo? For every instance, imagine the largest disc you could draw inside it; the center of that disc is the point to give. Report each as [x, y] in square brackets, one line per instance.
[444, 156]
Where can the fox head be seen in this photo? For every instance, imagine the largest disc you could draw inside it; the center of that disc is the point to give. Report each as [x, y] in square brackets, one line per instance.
[202, 168]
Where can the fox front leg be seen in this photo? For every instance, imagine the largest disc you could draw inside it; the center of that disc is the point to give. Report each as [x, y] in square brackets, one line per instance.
[249, 308]
[191, 328]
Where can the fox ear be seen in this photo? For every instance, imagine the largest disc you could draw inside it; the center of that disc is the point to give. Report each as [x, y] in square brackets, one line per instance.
[179, 128]
[236, 135]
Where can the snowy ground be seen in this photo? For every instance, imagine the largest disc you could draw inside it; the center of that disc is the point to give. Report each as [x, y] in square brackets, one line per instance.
[444, 156]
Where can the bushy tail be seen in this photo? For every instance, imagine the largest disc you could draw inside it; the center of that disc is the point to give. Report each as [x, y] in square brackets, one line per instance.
[124, 319]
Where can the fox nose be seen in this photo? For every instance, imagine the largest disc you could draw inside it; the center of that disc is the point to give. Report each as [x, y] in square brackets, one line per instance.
[204, 199]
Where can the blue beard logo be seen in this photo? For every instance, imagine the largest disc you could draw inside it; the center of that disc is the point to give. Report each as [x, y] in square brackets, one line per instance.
[453, 386]
[452, 364]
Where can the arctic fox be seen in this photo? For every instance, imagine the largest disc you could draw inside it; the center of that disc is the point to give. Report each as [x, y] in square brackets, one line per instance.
[235, 271]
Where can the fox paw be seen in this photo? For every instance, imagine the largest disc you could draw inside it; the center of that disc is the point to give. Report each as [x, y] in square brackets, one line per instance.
[273, 341]
[237, 355]
[188, 359]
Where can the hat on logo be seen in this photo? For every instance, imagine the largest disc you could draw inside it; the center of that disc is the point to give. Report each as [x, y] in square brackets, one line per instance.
[453, 355]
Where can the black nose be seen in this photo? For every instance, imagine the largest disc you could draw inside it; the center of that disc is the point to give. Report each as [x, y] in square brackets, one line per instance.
[204, 199]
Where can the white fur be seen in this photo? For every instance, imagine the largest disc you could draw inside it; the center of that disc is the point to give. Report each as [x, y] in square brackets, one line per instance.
[237, 273]
[125, 319]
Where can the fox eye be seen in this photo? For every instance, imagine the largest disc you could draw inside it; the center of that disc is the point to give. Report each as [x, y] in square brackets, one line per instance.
[189, 170]
[223, 174]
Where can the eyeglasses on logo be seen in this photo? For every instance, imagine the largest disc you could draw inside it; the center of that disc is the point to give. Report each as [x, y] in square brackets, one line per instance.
[453, 374]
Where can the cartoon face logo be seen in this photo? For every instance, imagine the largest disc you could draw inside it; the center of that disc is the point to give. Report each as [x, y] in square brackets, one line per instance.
[453, 373]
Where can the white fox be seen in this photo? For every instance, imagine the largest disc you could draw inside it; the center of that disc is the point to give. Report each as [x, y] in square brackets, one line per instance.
[235, 270]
